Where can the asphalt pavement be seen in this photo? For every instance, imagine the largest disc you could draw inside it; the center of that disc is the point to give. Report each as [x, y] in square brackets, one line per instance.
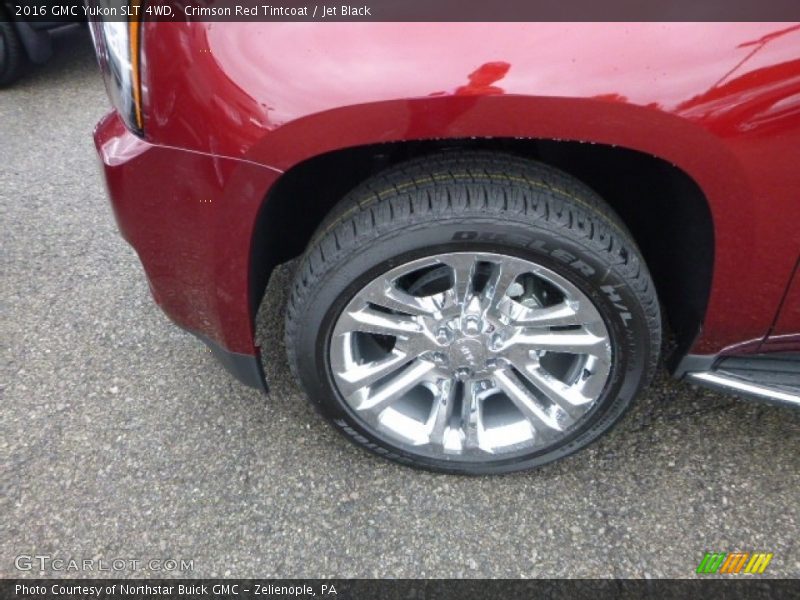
[121, 438]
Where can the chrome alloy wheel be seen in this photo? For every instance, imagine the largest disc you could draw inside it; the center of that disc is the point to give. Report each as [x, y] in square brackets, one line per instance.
[470, 356]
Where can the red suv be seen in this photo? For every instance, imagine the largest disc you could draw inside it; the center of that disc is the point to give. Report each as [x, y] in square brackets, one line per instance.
[495, 224]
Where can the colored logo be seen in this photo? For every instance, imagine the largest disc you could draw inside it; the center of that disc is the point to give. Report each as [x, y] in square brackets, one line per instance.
[732, 563]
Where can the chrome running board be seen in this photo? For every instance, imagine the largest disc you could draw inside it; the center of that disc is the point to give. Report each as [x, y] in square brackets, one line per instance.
[730, 384]
[771, 377]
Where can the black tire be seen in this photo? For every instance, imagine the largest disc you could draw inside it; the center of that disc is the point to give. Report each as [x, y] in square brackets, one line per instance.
[475, 201]
[12, 54]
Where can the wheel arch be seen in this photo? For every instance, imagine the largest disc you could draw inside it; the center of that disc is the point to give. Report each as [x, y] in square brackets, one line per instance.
[682, 170]
[676, 209]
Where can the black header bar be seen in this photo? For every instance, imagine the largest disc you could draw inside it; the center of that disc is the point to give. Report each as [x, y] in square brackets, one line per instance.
[408, 10]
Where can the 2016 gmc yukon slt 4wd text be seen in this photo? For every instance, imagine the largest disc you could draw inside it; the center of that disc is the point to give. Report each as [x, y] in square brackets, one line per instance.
[496, 223]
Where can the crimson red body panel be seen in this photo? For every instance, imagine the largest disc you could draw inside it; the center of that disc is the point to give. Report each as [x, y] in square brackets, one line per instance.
[189, 216]
[249, 100]
[785, 336]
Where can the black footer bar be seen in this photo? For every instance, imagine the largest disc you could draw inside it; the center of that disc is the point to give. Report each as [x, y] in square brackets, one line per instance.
[390, 589]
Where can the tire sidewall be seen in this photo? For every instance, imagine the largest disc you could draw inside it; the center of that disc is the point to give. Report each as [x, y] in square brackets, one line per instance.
[585, 266]
[11, 56]
[4, 51]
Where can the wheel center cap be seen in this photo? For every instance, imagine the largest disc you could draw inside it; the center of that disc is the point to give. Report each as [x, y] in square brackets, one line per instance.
[468, 353]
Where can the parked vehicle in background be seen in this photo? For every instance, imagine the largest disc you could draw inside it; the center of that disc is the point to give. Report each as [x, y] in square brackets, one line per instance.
[23, 42]
[493, 221]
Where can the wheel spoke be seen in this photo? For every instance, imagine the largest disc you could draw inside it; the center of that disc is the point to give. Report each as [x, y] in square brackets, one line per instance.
[369, 320]
[359, 376]
[559, 315]
[566, 397]
[442, 411]
[471, 415]
[463, 267]
[386, 294]
[518, 356]
[593, 378]
[390, 391]
[504, 273]
[569, 342]
[529, 405]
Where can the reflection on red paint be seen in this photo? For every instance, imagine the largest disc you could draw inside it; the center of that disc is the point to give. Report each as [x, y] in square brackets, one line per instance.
[482, 78]
[756, 101]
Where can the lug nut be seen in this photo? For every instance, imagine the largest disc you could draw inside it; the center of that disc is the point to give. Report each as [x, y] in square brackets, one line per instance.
[497, 341]
[444, 336]
[463, 373]
[492, 364]
[439, 358]
[472, 325]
